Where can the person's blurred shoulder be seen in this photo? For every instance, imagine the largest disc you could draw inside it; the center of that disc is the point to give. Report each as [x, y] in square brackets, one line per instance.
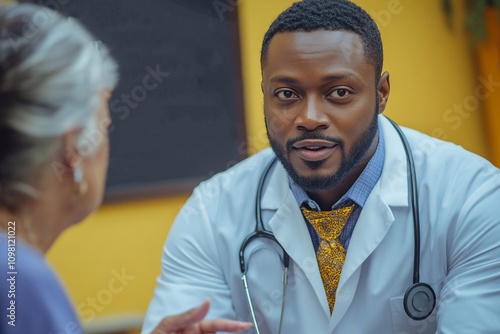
[34, 300]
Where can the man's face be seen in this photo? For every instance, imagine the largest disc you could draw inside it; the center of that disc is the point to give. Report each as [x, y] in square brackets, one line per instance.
[320, 105]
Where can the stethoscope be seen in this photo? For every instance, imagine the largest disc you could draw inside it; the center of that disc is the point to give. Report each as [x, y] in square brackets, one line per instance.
[419, 299]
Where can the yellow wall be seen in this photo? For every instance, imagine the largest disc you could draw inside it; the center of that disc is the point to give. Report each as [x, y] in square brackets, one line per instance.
[430, 70]
[110, 261]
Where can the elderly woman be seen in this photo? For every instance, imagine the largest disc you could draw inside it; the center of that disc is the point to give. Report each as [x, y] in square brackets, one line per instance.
[55, 82]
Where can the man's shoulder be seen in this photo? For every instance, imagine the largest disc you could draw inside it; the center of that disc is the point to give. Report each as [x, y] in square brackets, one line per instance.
[259, 159]
[247, 168]
[430, 149]
[438, 152]
[241, 178]
[440, 163]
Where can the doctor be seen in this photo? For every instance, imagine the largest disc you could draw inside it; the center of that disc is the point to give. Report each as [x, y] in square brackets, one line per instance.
[342, 166]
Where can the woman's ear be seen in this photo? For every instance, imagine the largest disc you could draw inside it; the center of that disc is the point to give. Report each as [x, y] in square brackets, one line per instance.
[383, 90]
[73, 160]
[71, 153]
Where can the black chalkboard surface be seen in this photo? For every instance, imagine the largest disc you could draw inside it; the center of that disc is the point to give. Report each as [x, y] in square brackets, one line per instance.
[177, 111]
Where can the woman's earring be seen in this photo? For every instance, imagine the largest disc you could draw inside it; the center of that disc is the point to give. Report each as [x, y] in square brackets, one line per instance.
[81, 185]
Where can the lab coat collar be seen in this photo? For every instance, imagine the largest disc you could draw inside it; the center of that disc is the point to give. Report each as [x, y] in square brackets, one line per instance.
[394, 179]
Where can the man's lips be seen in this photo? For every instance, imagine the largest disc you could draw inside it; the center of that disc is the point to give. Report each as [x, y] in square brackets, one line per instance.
[314, 149]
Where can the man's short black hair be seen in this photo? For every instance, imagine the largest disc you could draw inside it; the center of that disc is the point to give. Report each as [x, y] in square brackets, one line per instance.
[312, 15]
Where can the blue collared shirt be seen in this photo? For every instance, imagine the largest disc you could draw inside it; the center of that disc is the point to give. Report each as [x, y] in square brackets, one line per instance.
[358, 193]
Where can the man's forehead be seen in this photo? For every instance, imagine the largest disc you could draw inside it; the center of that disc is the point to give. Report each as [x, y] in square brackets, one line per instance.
[318, 40]
[316, 56]
[339, 46]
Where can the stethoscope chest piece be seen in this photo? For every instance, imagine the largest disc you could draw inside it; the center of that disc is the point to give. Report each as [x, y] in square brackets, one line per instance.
[419, 301]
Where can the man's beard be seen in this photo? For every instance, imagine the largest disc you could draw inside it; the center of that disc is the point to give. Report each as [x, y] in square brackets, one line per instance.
[349, 160]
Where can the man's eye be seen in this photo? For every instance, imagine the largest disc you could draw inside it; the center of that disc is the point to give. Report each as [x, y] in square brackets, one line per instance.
[286, 95]
[340, 93]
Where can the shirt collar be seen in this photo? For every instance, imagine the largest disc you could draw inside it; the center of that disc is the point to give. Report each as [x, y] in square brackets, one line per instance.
[360, 190]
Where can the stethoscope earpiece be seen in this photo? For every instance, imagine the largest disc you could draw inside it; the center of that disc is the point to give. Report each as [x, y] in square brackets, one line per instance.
[419, 301]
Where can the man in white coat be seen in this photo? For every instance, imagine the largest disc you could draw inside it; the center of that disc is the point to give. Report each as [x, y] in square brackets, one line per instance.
[324, 93]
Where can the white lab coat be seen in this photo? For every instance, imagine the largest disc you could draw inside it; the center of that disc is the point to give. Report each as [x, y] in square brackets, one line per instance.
[459, 196]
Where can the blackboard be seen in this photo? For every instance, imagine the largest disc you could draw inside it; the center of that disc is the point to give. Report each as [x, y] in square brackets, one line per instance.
[177, 111]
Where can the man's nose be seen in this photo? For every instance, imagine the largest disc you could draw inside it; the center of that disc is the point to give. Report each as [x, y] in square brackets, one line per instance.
[313, 115]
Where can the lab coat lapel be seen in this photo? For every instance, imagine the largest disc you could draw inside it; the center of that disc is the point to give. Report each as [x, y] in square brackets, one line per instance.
[375, 219]
[371, 228]
[290, 230]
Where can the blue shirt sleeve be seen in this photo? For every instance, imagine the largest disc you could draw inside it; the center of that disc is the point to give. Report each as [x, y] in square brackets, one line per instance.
[32, 299]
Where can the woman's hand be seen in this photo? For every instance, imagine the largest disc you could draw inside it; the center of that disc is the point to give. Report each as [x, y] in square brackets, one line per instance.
[192, 322]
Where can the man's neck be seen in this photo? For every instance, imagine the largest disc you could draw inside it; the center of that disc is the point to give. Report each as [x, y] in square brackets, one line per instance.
[328, 197]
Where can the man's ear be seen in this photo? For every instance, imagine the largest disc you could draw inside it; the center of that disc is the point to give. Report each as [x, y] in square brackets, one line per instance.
[383, 90]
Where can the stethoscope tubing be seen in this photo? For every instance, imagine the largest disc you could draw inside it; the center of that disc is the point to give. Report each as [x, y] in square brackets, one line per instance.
[414, 202]
[260, 231]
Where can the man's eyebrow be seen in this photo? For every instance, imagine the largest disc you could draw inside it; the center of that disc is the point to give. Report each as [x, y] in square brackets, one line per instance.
[333, 77]
[284, 79]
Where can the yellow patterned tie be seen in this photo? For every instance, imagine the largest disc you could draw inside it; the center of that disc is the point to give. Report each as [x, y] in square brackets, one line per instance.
[331, 253]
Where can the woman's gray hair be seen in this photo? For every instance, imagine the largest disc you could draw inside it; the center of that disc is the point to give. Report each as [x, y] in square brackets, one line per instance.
[51, 74]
